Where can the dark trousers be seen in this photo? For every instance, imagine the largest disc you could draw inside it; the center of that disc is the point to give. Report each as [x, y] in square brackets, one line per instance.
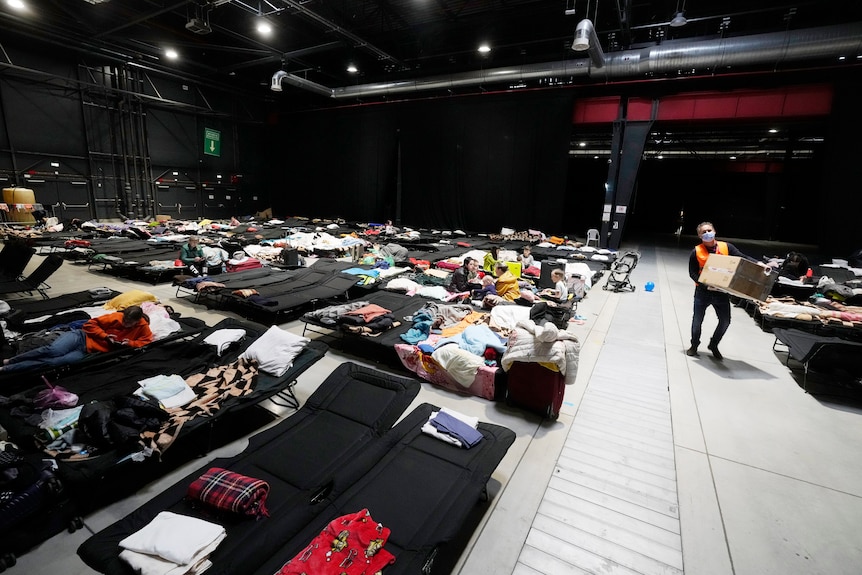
[703, 298]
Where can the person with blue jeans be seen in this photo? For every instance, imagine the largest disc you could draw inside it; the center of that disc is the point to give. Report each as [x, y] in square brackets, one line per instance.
[705, 296]
[129, 328]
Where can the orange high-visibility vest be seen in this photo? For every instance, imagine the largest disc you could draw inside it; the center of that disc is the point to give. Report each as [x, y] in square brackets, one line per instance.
[702, 254]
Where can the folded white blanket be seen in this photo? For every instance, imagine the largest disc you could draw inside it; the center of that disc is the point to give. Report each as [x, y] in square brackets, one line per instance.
[169, 390]
[178, 539]
[151, 565]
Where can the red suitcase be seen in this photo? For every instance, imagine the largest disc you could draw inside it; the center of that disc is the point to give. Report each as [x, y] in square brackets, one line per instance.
[536, 388]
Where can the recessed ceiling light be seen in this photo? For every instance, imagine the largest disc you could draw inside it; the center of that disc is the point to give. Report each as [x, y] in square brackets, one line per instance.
[171, 54]
[352, 68]
[484, 49]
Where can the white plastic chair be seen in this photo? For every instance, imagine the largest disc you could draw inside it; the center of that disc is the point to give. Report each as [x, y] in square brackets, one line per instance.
[593, 236]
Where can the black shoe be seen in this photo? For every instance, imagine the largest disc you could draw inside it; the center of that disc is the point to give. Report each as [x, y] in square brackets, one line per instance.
[714, 349]
[691, 352]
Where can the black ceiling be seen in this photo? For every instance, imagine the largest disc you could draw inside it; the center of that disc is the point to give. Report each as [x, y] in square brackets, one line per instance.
[395, 40]
[387, 40]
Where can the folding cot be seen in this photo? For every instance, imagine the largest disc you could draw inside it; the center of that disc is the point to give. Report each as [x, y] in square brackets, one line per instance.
[297, 289]
[23, 313]
[215, 296]
[183, 358]
[382, 345]
[335, 456]
[820, 353]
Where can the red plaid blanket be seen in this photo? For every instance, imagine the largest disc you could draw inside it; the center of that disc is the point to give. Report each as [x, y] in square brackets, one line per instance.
[230, 491]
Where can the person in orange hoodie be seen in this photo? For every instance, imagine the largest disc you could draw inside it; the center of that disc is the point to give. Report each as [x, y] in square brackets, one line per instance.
[127, 328]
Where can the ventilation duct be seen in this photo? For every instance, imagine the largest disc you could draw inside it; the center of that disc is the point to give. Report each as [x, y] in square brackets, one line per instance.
[771, 49]
[586, 39]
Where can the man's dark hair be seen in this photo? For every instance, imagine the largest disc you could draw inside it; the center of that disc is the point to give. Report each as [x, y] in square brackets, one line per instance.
[133, 313]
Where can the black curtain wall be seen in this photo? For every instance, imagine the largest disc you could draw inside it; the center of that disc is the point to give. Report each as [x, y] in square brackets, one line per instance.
[333, 163]
[475, 163]
[481, 163]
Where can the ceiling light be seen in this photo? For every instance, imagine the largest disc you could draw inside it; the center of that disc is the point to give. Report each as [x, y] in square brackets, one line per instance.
[352, 68]
[171, 54]
[732, 157]
[582, 144]
[773, 131]
[484, 49]
[264, 27]
[16, 4]
[678, 20]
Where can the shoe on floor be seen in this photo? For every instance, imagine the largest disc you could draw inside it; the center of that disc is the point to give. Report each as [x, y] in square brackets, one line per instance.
[715, 353]
[691, 352]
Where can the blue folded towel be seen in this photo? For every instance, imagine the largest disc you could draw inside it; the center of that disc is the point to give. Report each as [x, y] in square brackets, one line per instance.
[453, 426]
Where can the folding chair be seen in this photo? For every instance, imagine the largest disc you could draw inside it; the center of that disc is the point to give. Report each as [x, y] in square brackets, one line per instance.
[14, 258]
[36, 280]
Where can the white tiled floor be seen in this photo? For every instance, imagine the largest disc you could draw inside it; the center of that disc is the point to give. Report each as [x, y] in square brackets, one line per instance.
[659, 463]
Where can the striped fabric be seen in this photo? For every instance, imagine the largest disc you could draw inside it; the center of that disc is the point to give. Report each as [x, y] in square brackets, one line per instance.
[230, 491]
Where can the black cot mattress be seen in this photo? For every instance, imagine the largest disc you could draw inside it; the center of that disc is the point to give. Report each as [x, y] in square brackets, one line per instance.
[299, 458]
[298, 288]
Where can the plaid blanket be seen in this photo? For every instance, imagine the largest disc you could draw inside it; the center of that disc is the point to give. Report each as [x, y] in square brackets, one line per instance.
[230, 491]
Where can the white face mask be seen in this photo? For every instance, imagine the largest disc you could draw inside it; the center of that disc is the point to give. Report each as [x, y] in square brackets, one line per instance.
[708, 236]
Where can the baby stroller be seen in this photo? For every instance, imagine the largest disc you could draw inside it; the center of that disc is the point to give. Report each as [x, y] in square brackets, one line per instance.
[618, 280]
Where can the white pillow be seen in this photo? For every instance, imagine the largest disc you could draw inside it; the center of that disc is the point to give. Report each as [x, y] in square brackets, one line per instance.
[275, 350]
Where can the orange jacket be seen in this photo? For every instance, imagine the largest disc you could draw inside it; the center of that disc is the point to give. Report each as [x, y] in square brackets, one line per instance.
[99, 328]
[507, 287]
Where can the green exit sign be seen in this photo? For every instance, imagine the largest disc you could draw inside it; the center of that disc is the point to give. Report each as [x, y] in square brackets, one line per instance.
[212, 142]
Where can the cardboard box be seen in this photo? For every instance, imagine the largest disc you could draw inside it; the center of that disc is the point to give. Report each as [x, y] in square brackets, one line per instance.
[737, 276]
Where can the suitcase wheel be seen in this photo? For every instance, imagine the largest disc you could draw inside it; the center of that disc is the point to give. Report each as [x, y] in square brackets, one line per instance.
[75, 523]
[549, 413]
[8, 560]
[55, 487]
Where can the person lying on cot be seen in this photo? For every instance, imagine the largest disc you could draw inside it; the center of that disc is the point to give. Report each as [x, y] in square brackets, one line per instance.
[127, 328]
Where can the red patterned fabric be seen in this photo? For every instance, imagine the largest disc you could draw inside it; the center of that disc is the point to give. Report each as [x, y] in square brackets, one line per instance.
[349, 545]
[230, 491]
